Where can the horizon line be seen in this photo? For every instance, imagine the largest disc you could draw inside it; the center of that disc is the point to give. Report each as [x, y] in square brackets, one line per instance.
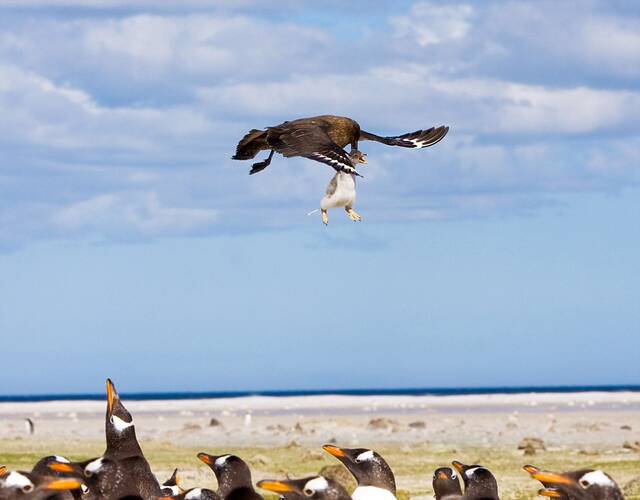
[400, 391]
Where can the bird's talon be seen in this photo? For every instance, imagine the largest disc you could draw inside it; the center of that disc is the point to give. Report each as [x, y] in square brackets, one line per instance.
[354, 216]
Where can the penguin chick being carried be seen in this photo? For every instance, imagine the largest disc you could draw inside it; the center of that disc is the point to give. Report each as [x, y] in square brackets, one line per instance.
[341, 191]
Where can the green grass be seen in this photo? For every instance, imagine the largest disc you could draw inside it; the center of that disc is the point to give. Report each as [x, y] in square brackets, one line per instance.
[413, 468]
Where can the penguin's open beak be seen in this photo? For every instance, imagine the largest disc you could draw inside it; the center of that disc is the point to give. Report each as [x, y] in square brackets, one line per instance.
[276, 486]
[551, 477]
[334, 450]
[112, 395]
[63, 484]
[206, 458]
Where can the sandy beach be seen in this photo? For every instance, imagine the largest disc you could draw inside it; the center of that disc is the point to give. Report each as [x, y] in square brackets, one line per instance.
[416, 433]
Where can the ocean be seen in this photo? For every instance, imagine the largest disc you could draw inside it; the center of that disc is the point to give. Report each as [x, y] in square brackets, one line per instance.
[149, 396]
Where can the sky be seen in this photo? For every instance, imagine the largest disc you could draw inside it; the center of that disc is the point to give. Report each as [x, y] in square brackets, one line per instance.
[132, 246]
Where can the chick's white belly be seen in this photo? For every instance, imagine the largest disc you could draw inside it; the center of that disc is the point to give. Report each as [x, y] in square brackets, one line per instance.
[345, 193]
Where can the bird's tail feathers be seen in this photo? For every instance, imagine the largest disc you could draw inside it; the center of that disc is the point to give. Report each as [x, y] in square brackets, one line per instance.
[249, 146]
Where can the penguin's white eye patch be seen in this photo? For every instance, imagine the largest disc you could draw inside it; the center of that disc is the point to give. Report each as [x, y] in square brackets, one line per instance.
[220, 461]
[454, 475]
[595, 477]
[471, 472]
[17, 480]
[315, 484]
[366, 455]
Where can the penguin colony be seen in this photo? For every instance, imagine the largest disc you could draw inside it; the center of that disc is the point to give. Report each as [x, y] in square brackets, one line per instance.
[123, 472]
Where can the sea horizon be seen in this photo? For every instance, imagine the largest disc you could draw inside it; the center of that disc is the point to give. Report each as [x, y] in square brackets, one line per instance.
[402, 391]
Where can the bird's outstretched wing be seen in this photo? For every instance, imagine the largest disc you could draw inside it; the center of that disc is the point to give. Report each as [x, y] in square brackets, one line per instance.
[417, 139]
[310, 141]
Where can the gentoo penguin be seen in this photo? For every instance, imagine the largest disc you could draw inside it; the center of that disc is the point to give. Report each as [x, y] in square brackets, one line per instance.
[583, 484]
[233, 475]
[374, 476]
[122, 470]
[43, 467]
[322, 138]
[16, 485]
[341, 191]
[479, 482]
[314, 487]
[171, 486]
[446, 484]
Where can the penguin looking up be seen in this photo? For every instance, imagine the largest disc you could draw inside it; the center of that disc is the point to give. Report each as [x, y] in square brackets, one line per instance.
[374, 476]
[313, 487]
[479, 482]
[583, 484]
[233, 475]
[171, 486]
[445, 484]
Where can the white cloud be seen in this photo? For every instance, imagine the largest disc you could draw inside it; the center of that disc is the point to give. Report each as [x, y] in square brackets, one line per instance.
[140, 213]
[432, 24]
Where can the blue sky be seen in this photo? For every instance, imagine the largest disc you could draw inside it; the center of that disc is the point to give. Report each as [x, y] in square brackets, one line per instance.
[132, 246]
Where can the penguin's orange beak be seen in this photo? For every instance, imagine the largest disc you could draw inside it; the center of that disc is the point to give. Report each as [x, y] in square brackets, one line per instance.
[442, 475]
[334, 450]
[3, 469]
[64, 484]
[111, 395]
[206, 458]
[459, 466]
[531, 469]
[550, 493]
[276, 486]
[64, 468]
[551, 477]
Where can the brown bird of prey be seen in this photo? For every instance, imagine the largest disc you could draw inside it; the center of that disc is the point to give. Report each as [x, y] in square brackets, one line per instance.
[323, 138]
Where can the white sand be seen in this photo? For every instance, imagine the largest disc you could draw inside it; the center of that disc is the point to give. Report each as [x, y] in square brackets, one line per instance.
[595, 420]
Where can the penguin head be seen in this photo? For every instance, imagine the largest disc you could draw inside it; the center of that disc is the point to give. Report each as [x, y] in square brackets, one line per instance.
[26, 484]
[231, 471]
[367, 466]
[120, 431]
[445, 482]
[312, 487]
[171, 486]
[479, 482]
[588, 484]
[53, 465]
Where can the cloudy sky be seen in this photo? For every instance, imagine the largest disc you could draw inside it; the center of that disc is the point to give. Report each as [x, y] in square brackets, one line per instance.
[132, 246]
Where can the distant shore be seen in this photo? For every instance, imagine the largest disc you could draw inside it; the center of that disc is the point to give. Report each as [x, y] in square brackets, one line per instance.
[415, 433]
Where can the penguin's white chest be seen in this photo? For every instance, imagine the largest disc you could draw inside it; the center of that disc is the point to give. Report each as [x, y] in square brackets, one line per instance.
[344, 193]
[372, 493]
